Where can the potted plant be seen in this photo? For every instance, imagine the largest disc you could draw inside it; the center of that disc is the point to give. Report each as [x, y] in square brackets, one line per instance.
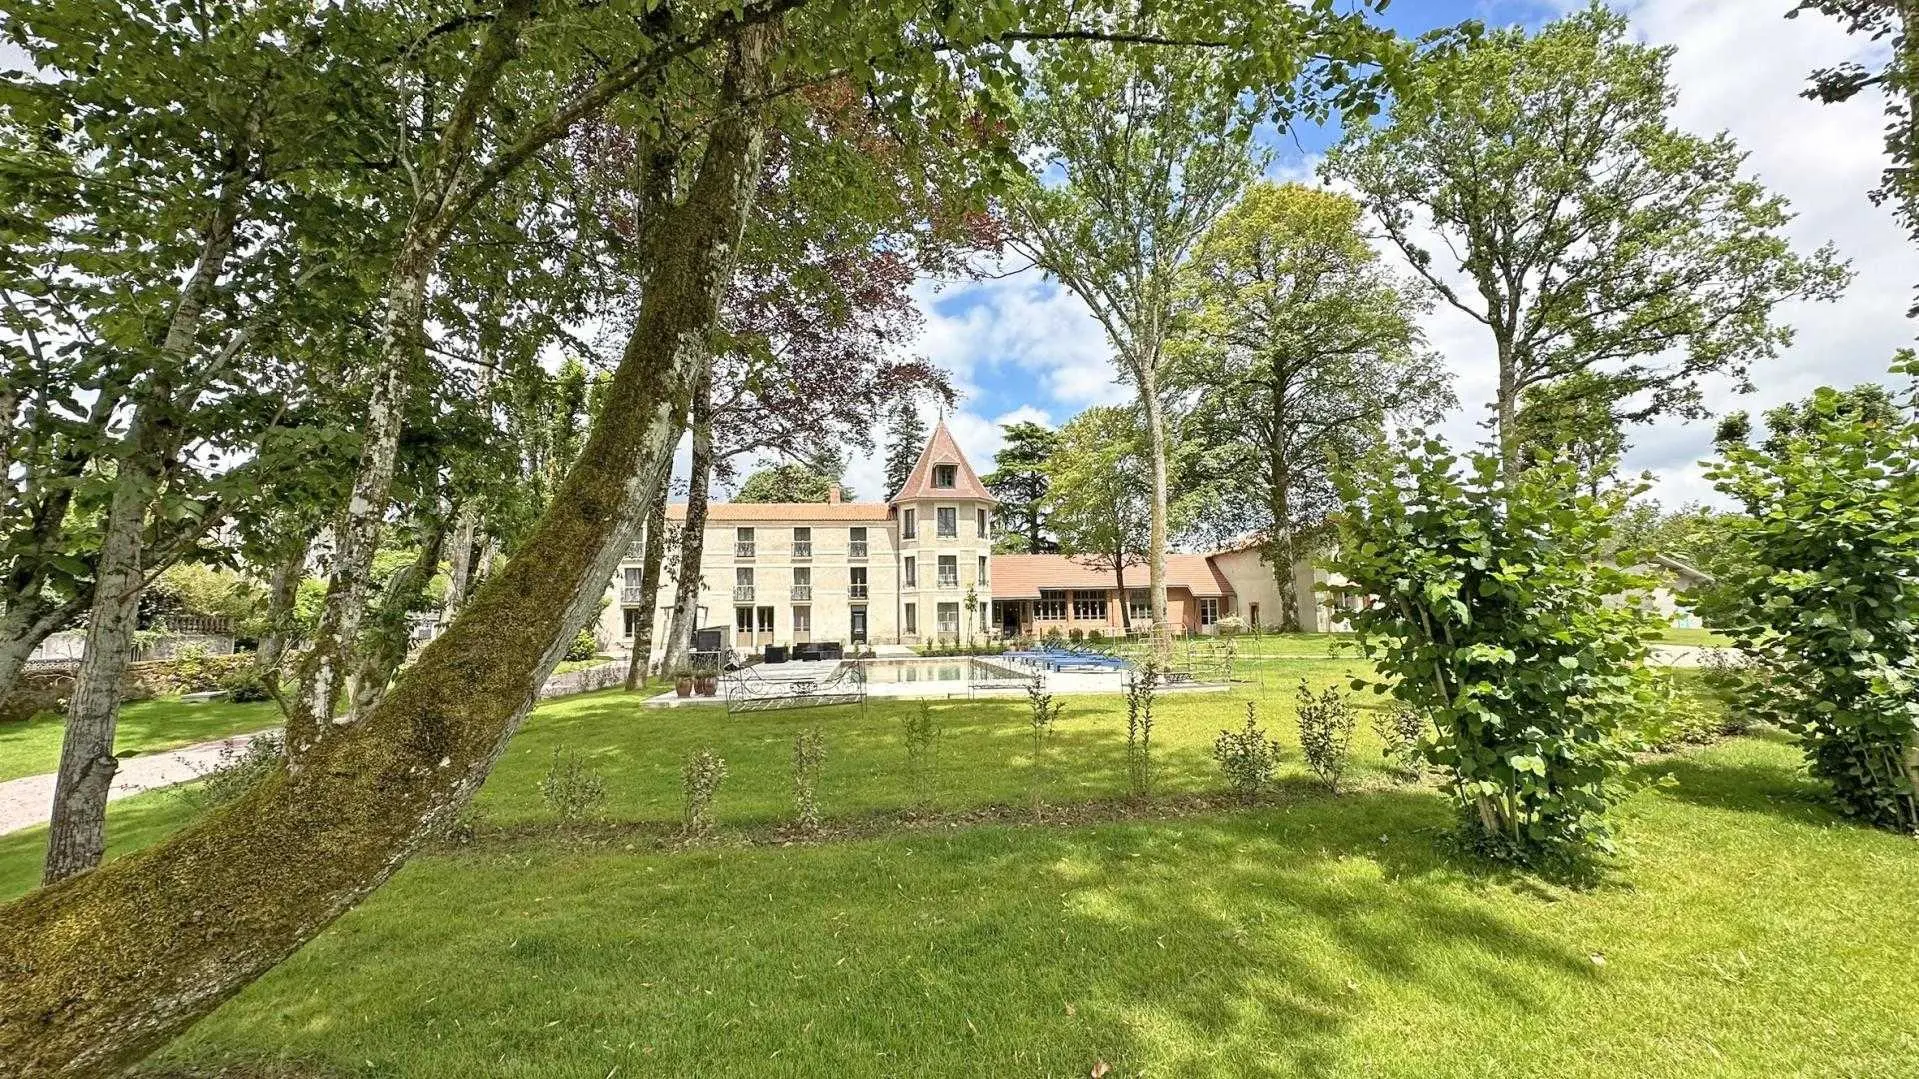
[683, 681]
[706, 681]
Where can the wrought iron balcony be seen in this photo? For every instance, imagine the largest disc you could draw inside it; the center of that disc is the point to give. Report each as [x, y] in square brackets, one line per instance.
[743, 550]
[802, 593]
[632, 594]
[802, 549]
[949, 582]
[856, 591]
[856, 549]
[742, 592]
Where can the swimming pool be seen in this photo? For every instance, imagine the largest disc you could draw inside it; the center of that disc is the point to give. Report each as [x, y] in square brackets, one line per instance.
[958, 670]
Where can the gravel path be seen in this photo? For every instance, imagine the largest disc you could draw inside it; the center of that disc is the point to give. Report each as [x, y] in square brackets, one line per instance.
[29, 801]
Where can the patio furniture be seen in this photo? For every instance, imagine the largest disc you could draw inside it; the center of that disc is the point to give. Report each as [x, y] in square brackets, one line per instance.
[749, 691]
[775, 653]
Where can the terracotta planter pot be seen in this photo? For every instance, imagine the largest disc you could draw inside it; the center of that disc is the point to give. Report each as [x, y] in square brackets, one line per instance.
[683, 687]
[706, 687]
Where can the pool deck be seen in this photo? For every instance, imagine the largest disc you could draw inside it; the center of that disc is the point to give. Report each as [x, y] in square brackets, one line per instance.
[816, 671]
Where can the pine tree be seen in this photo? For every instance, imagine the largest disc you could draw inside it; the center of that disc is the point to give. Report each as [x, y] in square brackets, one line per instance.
[904, 442]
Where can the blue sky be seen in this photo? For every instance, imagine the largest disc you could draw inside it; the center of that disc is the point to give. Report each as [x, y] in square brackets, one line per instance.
[1020, 348]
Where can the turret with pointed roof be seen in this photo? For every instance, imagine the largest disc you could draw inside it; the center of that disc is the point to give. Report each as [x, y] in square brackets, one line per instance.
[926, 481]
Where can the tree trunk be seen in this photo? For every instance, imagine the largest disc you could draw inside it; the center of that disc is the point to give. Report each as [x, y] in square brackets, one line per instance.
[1156, 541]
[386, 644]
[29, 621]
[77, 838]
[1125, 608]
[686, 594]
[462, 560]
[1281, 548]
[330, 659]
[1506, 413]
[636, 668]
[283, 592]
[100, 970]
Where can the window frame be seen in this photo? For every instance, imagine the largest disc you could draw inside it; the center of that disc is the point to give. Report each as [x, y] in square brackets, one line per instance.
[1051, 600]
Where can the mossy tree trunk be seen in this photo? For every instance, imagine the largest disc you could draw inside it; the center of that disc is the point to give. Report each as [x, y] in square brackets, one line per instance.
[101, 969]
[653, 559]
[686, 593]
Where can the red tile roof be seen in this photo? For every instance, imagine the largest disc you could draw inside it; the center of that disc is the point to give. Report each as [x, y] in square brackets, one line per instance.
[941, 449]
[1021, 576]
[752, 512]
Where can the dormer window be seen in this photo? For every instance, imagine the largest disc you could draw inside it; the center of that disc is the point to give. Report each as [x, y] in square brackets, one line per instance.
[945, 476]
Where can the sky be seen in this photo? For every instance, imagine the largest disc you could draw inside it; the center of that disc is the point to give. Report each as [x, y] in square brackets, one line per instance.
[1022, 348]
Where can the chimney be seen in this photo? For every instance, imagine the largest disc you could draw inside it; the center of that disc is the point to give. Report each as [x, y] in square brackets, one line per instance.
[833, 495]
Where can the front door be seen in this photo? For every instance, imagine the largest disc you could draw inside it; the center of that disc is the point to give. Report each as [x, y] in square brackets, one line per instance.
[1009, 617]
[859, 625]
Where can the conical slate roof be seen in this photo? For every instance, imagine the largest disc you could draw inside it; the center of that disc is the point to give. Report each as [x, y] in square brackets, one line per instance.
[942, 449]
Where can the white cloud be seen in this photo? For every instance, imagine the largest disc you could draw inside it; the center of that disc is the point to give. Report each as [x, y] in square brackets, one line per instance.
[1023, 326]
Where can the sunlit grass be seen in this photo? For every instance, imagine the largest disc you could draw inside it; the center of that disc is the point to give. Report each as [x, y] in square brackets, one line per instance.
[33, 747]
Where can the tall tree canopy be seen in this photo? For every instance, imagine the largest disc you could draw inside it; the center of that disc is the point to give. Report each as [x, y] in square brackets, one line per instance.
[1100, 491]
[1296, 346]
[1020, 483]
[1537, 184]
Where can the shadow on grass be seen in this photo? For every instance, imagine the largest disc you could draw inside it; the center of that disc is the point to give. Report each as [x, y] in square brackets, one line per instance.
[1247, 942]
[1740, 774]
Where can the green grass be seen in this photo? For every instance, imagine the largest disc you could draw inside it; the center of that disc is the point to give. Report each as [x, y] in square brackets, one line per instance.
[33, 747]
[1744, 932]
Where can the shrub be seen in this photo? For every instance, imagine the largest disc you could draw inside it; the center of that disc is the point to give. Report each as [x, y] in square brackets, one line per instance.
[244, 686]
[1677, 716]
[1485, 607]
[1094, 636]
[700, 780]
[1821, 585]
[236, 770]
[1230, 626]
[1326, 727]
[1075, 634]
[1247, 757]
[809, 756]
[921, 733]
[571, 789]
[1139, 729]
[1052, 635]
[585, 646]
[1399, 730]
[1043, 713]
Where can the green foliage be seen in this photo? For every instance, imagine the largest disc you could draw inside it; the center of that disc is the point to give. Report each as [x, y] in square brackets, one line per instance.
[920, 730]
[236, 770]
[905, 438]
[1484, 607]
[571, 789]
[786, 483]
[809, 757]
[1593, 235]
[1042, 715]
[1326, 725]
[1824, 591]
[1399, 731]
[1247, 757]
[584, 646]
[700, 780]
[1140, 693]
[1020, 482]
[1676, 715]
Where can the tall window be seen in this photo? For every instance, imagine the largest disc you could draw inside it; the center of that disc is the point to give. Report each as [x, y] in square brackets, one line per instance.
[856, 542]
[948, 522]
[802, 619]
[949, 620]
[909, 524]
[802, 582]
[802, 543]
[982, 522]
[1051, 606]
[1139, 605]
[1208, 611]
[742, 543]
[630, 621]
[945, 476]
[982, 569]
[912, 618]
[912, 572]
[1089, 606]
[743, 619]
[856, 582]
[743, 582]
[766, 619]
[949, 571]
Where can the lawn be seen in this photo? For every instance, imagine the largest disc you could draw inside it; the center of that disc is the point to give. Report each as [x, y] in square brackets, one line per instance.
[33, 747]
[1704, 638]
[1745, 931]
